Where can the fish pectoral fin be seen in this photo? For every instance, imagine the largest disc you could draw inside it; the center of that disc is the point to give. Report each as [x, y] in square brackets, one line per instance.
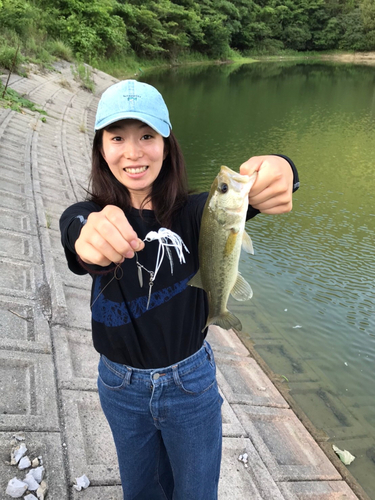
[196, 280]
[247, 244]
[241, 290]
[226, 320]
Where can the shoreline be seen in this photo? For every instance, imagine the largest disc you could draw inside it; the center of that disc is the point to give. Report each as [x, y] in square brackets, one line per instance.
[345, 57]
[355, 57]
[367, 58]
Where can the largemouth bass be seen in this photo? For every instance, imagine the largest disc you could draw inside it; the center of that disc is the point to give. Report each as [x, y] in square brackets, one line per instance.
[221, 236]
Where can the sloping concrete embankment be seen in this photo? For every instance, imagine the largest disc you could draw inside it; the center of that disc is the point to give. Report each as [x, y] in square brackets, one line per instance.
[47, 363]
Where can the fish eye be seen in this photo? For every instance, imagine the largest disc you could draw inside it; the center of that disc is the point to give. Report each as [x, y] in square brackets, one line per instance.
[223, 187]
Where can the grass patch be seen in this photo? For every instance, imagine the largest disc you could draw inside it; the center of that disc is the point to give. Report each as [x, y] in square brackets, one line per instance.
[83, 75]
[65, 84]
[37, 49]
[60, 50]
[9, 98]
[186, 57]
[288, 54]
[48, 220]
[123, 66]
[10, 57]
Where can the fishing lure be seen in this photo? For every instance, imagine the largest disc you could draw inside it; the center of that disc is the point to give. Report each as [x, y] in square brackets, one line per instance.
[167, 239]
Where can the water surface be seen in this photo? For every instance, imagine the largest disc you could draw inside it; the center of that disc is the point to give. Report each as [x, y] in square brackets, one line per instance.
[312, 315]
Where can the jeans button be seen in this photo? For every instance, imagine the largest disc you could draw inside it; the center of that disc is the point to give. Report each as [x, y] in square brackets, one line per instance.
[156, 376]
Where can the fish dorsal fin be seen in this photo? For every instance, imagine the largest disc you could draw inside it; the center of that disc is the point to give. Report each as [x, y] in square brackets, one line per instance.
[247, 244]
[241, 290]
[196, 280]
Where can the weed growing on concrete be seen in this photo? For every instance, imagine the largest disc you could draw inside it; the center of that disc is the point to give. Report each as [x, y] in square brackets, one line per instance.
[13, 100]
[83, 74]
[65, 84]
[48, 221]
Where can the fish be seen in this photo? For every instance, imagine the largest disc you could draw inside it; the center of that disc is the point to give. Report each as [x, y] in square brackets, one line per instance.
[221, 237]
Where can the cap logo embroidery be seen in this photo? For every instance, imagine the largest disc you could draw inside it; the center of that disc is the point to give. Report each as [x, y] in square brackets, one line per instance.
[131, 97]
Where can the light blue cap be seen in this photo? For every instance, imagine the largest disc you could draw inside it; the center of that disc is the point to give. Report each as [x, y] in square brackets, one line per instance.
[133, 99]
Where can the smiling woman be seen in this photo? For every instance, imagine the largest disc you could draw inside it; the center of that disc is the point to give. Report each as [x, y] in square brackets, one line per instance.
[157, 383]
[134, 153]
[135, 102]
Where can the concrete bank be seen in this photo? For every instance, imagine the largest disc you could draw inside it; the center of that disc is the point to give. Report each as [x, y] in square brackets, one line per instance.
[47, 363]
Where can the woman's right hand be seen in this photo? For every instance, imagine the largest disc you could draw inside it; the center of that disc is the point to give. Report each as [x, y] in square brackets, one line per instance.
[107, 237]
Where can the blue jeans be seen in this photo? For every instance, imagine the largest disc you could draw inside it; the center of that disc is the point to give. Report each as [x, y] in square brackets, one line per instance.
[167, 427]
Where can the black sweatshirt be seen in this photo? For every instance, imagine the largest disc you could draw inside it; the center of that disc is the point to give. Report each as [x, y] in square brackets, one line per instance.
[123, 328]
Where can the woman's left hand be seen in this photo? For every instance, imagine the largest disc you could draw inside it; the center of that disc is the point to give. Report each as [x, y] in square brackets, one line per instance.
[272, 191]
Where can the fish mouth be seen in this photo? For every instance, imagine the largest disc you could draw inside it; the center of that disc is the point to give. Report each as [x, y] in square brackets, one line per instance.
[238, 182]
[244, 179]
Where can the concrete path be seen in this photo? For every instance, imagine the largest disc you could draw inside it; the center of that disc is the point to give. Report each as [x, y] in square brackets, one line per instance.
[47, 363]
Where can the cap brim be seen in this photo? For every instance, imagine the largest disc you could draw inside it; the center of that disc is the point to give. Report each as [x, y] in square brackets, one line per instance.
[160, 126]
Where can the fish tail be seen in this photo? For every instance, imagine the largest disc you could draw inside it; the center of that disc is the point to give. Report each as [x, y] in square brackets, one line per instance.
[225, 320]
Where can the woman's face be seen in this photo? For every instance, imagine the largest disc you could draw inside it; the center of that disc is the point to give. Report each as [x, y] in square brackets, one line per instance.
[134, 153]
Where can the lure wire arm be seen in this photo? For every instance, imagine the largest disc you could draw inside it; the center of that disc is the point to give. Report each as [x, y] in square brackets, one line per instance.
[166, 239]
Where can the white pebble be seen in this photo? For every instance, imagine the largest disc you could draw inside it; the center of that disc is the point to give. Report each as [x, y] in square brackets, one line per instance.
[37, 473]
[16, 488]
[243, 458]
[31, 482]
[24, 463]
[30, 497]
[82, 483]
[17, 454]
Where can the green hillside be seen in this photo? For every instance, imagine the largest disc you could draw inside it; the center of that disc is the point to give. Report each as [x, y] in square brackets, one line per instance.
[123, 32]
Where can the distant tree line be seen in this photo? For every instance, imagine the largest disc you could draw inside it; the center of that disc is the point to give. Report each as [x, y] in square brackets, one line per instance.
[213, 28]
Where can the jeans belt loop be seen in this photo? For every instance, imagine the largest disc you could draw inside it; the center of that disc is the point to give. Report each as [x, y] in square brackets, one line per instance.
[128, 376]
[176, 378]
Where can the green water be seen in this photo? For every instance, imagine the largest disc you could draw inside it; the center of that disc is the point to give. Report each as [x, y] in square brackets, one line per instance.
[312, 316]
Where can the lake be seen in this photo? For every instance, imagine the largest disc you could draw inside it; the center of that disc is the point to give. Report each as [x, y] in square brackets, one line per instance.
[312, 317]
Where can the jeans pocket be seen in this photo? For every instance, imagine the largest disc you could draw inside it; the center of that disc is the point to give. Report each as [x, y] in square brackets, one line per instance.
[109, 376]
[198, 380]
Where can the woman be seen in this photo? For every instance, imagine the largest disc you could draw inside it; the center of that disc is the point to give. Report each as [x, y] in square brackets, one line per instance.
[156, 381]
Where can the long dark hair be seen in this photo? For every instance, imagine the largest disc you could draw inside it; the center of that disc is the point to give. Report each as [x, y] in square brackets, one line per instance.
[169, 190]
